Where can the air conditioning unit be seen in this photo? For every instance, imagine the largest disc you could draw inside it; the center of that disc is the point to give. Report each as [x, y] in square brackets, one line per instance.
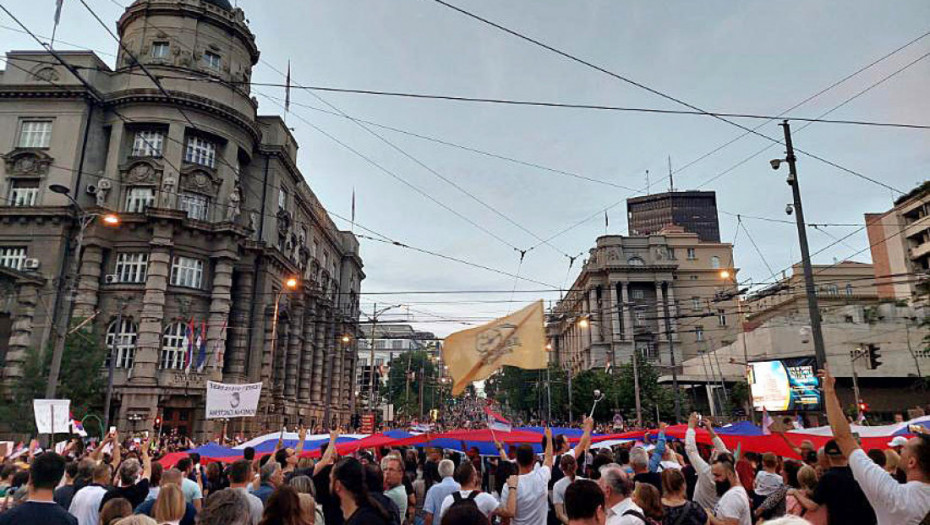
[111, 278]
[31, 264]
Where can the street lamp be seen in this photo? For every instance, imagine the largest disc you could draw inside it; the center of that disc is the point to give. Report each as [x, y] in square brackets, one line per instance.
[289, 284]
[84, 220]
[374, 321]
[726, 275]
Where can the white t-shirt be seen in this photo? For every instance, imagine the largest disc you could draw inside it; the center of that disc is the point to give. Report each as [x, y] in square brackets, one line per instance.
[532, 490]
[892, 502]
[86, 504]
[485, 502]
[734, 504]
[558, 489]
[767, 483]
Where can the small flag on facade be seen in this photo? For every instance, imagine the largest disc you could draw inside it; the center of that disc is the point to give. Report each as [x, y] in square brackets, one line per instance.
[189, 353]
[219, 347]
[202, 347]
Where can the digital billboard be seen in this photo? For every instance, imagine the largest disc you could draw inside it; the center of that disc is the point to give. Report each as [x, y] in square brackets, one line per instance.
[785, 385]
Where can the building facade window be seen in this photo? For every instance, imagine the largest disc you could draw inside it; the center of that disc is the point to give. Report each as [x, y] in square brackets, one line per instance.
[397, 345]
[124, 337]
[187, 272]
[212, 60]
[24, 193]
[139, 198]
[670, 252]
[849, 289]
[200, 151]
[721, 317]
[637, 294]
[832, 289]
[35, 134]
[173, 346]
[148, 143]
[635, 261]
[160, 49]
[699, 333]
[195, 205]
[282, 199]
[639, 318]
[131, 267]
[12, 256]
[691, 255]
[695, 303]
[715, 262]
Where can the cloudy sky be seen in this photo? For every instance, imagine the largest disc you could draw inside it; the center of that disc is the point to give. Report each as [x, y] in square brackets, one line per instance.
[759, 57]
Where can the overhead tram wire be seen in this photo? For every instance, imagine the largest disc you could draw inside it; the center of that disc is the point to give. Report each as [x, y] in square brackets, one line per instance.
[805, 101]
[831, 110]
[721, 117]
[424, 166]
[754, 245]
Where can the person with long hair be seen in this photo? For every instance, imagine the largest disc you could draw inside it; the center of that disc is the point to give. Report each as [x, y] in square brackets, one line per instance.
[675, 502]
[807, 485]
[348, 484]
[169, 505]
[649, 499]
[283, 508]
[113, 510]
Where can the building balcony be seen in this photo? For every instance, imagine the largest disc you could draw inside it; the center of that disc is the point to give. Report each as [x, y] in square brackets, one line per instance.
[920, 251]
[917, 227]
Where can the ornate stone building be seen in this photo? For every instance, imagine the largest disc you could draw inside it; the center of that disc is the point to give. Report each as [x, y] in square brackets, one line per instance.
[215, 218]
[630, 286]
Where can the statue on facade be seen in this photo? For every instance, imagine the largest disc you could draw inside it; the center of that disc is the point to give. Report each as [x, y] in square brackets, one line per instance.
[253, 221]
[103, 189]
[168, 190]
[232, 207]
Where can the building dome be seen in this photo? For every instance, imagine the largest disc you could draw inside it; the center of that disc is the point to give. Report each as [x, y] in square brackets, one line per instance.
[222, 4]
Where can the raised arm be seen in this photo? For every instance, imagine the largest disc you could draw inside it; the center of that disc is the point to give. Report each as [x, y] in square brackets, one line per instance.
[797, 450]
[117, 451]
[700, 466]
[327, 458]
[500, 450]
[146, 461]
[837, 419]
[656, 457]
[547, 459]
[97, 454]
[585, 440]
[301, 437]
[719, 445]
[508, 508]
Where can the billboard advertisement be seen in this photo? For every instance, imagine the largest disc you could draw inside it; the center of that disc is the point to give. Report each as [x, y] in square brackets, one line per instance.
[785, 385]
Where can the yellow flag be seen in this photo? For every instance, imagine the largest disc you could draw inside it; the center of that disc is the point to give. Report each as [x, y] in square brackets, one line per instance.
[516, 340]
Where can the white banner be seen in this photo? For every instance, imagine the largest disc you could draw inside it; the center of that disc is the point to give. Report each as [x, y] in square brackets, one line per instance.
[52, 415]
[227, 400]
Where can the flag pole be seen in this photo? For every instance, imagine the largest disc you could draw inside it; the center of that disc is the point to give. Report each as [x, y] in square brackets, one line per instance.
[58, 4]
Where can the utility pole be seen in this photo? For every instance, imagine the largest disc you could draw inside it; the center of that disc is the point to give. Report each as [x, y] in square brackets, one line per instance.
[671, 352]
[371, 378]
[814, 310]
[854, 355]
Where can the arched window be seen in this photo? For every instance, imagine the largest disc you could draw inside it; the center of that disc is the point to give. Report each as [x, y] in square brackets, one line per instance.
[715, 262]
[635, 261]
[173, 345]
[125, 338]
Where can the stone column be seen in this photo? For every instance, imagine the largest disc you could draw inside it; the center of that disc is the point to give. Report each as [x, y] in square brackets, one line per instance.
[152, 320]
[280, 354]
[27, 296]
[294, 343]
[626, 309]
[218, 320]
[597, 325]
[660, 312]
[616, 311]
[88, 285]
[672, 309]
[239, 322]
[335, 381]
[319, 366]
[307, 371]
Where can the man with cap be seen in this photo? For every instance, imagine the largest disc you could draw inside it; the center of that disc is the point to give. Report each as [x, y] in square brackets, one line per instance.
[839, 491]
[897, 443]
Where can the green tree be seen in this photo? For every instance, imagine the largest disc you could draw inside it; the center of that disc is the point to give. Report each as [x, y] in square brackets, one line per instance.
[406, 400]
[82, 380]
[651, 394]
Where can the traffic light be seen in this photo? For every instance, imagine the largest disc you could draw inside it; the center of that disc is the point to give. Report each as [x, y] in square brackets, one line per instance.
[863, 406]
[157, 421]
[874, 355]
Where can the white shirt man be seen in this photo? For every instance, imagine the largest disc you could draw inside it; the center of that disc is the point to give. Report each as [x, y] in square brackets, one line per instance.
[733, 507]
[618, 488]
[525, 497]
[393, 469]
[704, 493]
[85, 506]
[467, 477]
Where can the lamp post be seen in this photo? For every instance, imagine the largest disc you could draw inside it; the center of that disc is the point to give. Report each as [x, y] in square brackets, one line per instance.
[289, 284]
[813, 309]
[84, 219]
[374, 321]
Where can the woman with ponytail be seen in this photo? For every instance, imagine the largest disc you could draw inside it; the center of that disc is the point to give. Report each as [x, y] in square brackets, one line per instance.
[347, 482]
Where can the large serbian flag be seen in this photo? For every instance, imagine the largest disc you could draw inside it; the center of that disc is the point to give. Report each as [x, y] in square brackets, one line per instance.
[497, 422]
[516, 340]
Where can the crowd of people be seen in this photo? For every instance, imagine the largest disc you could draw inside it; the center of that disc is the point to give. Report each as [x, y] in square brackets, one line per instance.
[664, 482]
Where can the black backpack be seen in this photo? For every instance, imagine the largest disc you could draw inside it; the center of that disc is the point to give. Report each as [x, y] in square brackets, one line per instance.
[458, 500]
[639, 515]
